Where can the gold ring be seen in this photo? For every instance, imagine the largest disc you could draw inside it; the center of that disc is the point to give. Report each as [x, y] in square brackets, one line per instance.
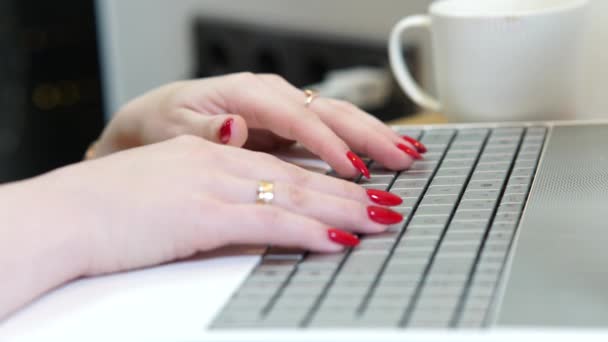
[265, 193]
[311, 95]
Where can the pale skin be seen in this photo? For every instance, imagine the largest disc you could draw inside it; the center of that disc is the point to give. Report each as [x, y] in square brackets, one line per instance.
[164, 186]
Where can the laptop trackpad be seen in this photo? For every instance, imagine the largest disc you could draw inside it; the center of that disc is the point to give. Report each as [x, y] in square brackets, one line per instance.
[559, 273]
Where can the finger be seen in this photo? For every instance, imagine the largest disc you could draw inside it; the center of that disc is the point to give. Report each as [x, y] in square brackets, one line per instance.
[267, 224]
[266, 108]
[282, 85]
[335, 211]
[379, 126]
[257, 166]
[386, 148]
[223, 129]
[351, 123]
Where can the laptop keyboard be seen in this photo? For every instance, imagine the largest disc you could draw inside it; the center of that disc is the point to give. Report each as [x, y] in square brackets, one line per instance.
[437, 269]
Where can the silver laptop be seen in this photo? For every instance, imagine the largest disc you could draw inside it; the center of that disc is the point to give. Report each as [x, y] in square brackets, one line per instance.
[505, 236]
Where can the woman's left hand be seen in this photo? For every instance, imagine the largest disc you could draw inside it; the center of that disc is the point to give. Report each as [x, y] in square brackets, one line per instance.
[260, 112]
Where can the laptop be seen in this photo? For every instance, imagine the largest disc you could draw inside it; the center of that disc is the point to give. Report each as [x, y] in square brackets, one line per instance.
[504, 238]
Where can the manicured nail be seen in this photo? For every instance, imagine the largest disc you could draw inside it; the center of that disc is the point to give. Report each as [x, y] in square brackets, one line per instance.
[417, 144]
[383, 215]
[342, 237]
[409, 151]
[383, 197]
[358, 163]
[226, 131]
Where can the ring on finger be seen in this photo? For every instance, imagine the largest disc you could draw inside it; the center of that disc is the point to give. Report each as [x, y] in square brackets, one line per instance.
[265, 192]
[311, 95]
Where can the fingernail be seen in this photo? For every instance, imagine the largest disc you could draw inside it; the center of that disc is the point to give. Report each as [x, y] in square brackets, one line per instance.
[384, 197]
[343, 238]
[417, 144]
[358, 163]
[383, 215]
[226, 131]
[409, 151]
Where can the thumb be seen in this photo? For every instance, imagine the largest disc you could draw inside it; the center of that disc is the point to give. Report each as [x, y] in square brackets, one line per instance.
[226, 129]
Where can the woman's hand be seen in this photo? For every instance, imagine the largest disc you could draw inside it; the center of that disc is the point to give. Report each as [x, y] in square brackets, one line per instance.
[170, 200]
[167, 201]
[260, 112]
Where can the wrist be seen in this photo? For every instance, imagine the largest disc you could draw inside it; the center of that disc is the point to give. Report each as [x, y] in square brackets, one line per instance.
[57, 220]
[44, 240]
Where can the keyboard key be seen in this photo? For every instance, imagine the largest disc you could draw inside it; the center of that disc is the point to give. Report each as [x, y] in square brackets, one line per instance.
[437, 220]
[493, 166]
[383, 186]
[481, 195]
[457, 164]
[485, 185]
[456, 155]
[438, 181]
[519, 172]
[513, 198]
[433, 210]
[517, 189]
[488, 175]
[414, 175]
[409, 184]
[439, 200]
[427, 166]
[476, 204]
[436, 139]
[496, 158]
[468, 215]
[453, 172]
[435, 190]
[407, 193]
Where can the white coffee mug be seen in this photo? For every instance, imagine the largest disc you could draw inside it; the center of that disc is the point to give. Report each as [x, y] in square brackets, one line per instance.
[497, 60]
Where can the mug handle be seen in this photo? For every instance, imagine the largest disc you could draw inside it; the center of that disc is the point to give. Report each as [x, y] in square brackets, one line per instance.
[400, 69]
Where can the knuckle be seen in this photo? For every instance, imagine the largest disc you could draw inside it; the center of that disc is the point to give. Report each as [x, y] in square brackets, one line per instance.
[268, 158]
[245, 77]
[362, 215]
[298, 175]
[273, 77]
[297, 196]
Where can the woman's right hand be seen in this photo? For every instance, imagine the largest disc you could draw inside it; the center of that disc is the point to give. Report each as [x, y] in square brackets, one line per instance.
[169, 200]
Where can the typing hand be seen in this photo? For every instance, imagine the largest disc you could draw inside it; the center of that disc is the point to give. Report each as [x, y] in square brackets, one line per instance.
[259, 112]
[172, 199]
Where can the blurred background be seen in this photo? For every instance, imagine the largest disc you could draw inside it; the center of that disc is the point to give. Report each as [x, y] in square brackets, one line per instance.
[67, 65]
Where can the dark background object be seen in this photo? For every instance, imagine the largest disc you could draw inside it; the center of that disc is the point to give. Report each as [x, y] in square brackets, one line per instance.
[50, 89]
[302, 59]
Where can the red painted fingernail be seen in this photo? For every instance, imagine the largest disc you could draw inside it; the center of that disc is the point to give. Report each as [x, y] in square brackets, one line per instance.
[383, 215]
[417, 144]
[383, 197]
[226, 131]
[409, 151]
[358, 163]
[342, 237]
